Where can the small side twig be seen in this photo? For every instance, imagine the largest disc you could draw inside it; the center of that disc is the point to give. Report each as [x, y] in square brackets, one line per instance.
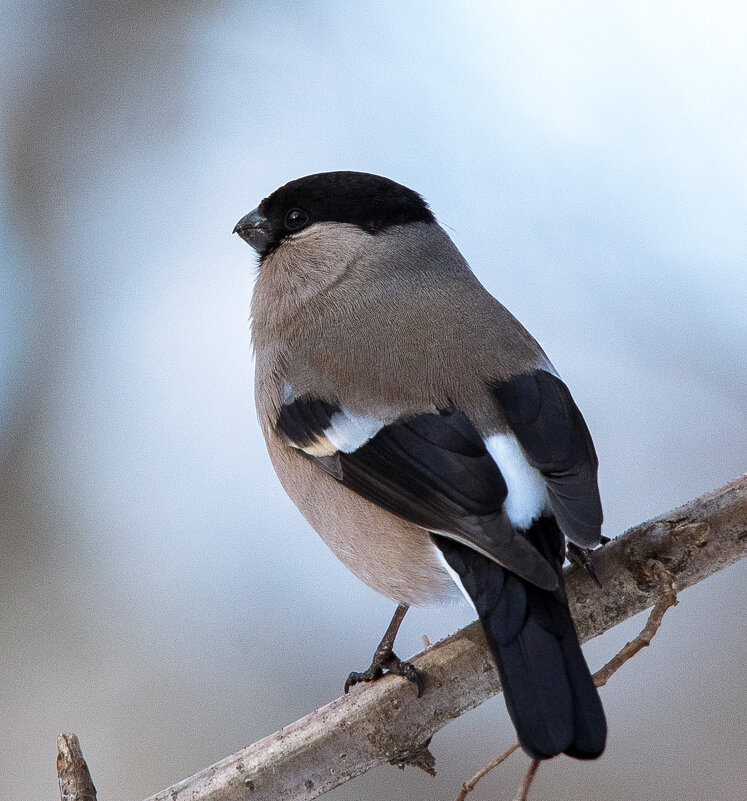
[643, 640]
[469, 786]
[72, 771]
[667, 599]
[526, 782]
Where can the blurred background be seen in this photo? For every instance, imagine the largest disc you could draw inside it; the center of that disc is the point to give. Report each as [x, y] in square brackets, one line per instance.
[159, 594]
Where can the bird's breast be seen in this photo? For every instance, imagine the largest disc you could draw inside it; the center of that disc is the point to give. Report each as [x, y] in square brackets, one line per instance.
[392, 556]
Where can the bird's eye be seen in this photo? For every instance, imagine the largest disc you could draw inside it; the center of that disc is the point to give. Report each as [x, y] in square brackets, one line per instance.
[295, 218]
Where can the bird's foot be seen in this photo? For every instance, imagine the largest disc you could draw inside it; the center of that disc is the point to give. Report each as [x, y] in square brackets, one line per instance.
[386, 660]
[581, 557]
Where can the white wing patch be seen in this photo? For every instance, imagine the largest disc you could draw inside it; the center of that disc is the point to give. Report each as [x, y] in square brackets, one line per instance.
[349, 431]
[345, 433]
[287, 394]
[527, 492]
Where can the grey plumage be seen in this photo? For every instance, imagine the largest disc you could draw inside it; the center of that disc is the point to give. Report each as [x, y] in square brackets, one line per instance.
[401, 403]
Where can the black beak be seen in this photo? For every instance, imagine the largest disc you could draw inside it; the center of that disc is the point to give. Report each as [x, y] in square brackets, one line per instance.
[254, 229]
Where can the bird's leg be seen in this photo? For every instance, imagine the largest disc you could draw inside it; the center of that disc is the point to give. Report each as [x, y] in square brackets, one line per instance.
[385, 659]
[581, 557]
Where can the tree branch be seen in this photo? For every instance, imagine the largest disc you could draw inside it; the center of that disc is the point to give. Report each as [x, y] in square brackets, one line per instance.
[72, 771]
[386, 722]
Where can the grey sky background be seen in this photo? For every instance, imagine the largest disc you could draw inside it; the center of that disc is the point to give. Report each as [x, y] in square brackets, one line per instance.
[159, 594]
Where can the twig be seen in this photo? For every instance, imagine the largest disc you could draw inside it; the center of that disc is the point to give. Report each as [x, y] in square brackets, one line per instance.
[72, 771]
[667, 599]
[470, 785]
[643, 640]
[526, 782]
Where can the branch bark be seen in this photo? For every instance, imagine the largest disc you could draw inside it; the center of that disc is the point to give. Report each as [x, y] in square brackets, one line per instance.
[385, 722]
[72, 771]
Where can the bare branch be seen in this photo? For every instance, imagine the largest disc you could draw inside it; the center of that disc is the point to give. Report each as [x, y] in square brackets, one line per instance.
[385, 722]
[72, 771]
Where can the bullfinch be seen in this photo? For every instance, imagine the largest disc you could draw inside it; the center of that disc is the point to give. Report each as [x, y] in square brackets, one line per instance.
[426, 436]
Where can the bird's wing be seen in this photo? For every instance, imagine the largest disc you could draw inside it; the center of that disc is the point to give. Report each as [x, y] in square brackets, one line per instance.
[432, 469]
[552, 432]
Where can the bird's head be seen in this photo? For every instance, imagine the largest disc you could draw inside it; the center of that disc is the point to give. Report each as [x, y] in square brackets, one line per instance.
[369, 202]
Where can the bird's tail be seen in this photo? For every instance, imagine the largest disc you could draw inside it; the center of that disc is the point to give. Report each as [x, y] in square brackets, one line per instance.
[549, 691]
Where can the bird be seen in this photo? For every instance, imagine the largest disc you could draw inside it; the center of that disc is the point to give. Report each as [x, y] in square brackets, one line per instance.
[426, 436]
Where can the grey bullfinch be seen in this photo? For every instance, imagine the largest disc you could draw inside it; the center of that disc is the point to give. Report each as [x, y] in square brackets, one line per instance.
[425, 435]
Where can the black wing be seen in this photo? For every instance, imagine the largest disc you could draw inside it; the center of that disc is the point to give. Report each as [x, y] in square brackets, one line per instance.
[304, 421]
[434, 470]
[541, 412]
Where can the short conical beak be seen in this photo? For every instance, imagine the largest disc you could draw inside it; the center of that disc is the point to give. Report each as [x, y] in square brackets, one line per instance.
[254, 230]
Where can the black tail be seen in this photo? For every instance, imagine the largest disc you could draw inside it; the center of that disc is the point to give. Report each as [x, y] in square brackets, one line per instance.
[549, 691]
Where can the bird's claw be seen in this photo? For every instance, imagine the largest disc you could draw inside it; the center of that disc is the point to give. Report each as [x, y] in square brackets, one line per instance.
[392, 664]
[355, 677]
[581, 557]
[408, 670]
